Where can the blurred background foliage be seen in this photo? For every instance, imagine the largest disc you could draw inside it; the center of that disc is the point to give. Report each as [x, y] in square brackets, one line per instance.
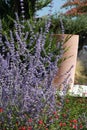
[76, 25]
[75, 7]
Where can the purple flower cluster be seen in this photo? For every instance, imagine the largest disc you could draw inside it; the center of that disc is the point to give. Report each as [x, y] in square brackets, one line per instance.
[27, 68]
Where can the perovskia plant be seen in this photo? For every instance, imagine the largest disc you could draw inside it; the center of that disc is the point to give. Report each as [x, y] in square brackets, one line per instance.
[28, 64]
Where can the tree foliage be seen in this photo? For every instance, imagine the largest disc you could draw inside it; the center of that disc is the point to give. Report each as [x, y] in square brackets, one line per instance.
[77, 7]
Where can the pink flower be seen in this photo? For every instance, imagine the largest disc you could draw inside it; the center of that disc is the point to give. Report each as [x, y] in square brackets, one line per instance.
[29, 128]
[60, 124]
[81, 126]
[74, 127]
[74, 121]
[30, 120]
[1, 110]
[56, 116]
[54, 112]
[22, 128]
[64, 124]
[40, 122]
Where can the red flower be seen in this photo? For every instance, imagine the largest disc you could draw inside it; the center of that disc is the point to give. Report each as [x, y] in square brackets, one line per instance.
[56, 116]
[64, 124]
[74, 121]
[1, 110]
[74, 127]
[46, 129]
[81, 126]
[29, 128]
[40, 122]
[71, 124]
[70, 121]
[30, 120]
[55, 113]
[60, 124]
[17, 123]
[22, 128]
[64, 115]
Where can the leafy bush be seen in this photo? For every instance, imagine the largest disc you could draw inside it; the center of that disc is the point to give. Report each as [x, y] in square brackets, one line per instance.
[77, 25]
